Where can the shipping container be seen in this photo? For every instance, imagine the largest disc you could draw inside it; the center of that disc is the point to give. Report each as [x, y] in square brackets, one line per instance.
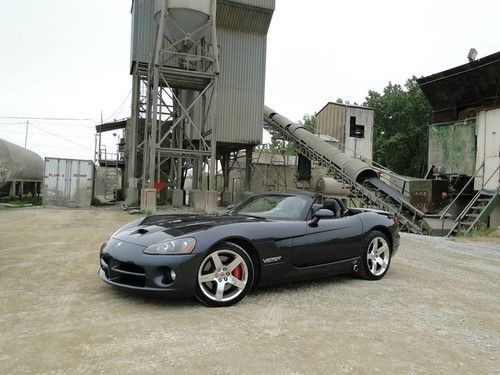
[68, 183]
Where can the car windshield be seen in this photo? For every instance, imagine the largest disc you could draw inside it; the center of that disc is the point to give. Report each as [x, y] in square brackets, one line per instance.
[273, 207]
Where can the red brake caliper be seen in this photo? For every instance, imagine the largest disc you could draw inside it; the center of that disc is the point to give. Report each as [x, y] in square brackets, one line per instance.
[237, 272]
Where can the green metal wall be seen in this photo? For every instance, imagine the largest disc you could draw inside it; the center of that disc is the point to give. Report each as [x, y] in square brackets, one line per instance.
[452, 146]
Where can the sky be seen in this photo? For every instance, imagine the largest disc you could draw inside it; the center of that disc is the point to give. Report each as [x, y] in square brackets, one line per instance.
[70, 59]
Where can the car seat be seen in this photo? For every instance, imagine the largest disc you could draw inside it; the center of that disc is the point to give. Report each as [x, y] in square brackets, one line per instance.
[332, 205]
[343, 209]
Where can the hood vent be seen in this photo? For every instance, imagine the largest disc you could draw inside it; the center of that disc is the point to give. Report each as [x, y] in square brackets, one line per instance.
[140, 231]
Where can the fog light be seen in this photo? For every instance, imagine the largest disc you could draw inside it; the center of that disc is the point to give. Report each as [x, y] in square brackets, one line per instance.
[172, 275]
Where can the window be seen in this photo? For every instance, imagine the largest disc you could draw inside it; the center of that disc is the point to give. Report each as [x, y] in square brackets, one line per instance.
[356, 131]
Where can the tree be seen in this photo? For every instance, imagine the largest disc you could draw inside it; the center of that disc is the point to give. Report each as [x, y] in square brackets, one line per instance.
[400, 132]
[309, 122]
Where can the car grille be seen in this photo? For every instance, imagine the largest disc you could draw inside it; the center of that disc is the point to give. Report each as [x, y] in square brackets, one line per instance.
[123, 272]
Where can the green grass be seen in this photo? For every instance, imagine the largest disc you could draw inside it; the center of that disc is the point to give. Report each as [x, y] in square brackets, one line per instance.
[479, 230]
[35, 201]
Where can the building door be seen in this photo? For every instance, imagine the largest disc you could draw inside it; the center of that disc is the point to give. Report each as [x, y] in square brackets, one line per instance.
[488, 149]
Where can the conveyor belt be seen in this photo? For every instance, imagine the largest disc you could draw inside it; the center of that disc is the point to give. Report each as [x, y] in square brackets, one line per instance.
[389, 190]
[359, 176]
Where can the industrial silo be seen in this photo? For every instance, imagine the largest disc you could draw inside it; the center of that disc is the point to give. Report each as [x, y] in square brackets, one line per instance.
[209, 77]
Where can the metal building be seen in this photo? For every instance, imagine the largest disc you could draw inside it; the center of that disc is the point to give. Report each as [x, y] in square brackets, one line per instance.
[464, 138]
[350, 125]
[198, 71]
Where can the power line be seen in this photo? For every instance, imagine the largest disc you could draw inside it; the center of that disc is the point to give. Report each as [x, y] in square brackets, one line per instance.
[24, 123]
[46, 118]
[120, 107]
[63, 138]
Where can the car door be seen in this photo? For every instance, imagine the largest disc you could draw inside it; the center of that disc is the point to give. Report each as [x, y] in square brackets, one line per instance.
[330, 240]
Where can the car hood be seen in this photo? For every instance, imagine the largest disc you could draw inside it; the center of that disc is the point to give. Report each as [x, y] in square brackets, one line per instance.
[158, 228]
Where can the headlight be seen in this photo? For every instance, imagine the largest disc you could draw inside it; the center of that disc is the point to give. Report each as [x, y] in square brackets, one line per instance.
[172, 247]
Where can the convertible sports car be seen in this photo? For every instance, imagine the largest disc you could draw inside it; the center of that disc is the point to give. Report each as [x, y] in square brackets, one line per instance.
[268, 239]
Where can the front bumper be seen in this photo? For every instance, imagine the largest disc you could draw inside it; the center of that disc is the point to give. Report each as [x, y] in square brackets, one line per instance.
[128, 267]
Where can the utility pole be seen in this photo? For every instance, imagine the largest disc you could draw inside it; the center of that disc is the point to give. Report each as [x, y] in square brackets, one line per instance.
[26, 136]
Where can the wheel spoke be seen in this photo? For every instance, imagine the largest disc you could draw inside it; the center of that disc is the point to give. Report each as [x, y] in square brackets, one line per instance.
[235, 263]
[207, 278]
[373, 247]
[220, 291]
[373, 267]
[382, 249]
[237, 282]
[380, 261]
[216, 260]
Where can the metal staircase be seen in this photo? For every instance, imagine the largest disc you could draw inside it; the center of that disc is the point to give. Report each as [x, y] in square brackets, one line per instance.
[478, 209]
[381, 196]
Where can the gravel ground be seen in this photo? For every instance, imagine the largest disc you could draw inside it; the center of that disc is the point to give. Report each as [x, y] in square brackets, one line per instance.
[437, 311]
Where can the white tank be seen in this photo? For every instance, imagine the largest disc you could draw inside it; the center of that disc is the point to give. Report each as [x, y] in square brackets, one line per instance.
[330, 186]
[187, 15]
[17, 163]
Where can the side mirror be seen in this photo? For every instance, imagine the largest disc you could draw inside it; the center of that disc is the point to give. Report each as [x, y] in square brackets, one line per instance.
[322, 213]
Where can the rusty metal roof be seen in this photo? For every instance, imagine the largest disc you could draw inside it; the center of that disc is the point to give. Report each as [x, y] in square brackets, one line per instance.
[455, 93]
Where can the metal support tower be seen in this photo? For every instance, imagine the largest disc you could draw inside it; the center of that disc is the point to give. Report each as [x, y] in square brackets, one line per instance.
[173, 120]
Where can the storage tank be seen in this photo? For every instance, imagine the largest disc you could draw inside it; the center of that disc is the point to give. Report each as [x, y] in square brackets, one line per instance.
[330, 186]
[188, 16]
[17, 163]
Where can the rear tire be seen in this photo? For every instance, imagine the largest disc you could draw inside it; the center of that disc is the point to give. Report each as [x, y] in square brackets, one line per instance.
[225, 276]
[376, 257]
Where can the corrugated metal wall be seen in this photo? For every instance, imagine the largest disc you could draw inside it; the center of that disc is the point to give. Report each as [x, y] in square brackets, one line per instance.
[143, 31]
[357, 147]
[334, 120]
[236, 16]
[331, 121]
[241, 86]
[452, 147]
[267, 4]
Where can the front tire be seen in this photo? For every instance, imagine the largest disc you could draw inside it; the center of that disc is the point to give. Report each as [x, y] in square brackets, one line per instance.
[376, 257]
[225, 276]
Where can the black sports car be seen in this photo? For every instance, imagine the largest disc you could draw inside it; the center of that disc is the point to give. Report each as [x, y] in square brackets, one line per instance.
[268, 239]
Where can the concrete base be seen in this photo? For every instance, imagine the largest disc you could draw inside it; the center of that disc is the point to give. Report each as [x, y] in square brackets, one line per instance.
[168, 195]
[436, 227]
[131, 196]
[495, 218]
[148, 201]
[247, 195]
[177, 198]
[211, 202]
[227, 197]
[198, 199]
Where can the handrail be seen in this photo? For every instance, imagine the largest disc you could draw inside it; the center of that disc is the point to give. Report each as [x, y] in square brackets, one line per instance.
[461, 191]
[462, 214]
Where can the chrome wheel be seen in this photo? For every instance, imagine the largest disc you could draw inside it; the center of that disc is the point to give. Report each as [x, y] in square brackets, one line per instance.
[378, 256]
[223, 275]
